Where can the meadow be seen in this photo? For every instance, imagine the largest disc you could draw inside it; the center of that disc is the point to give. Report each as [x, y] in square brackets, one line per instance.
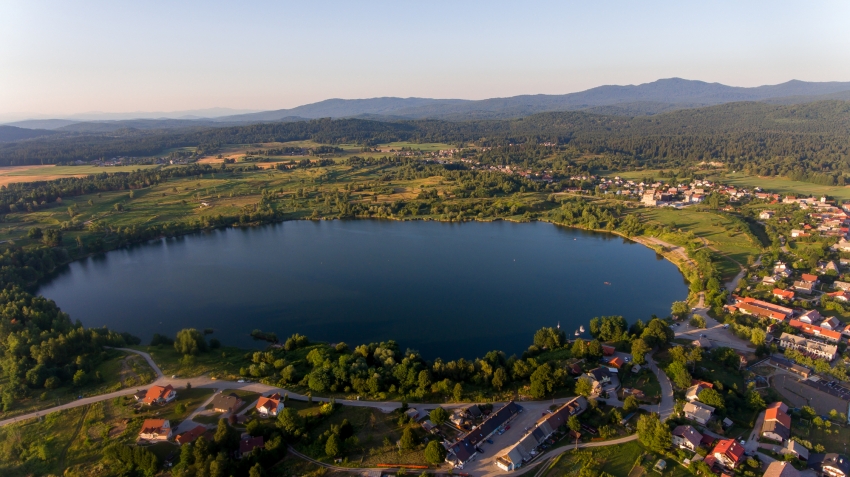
[783, 185]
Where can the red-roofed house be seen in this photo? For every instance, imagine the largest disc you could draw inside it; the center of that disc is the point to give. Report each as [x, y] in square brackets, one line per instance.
[728, 452]
[808, 277]
[777, 424]
[270, 406]
[608, 350]
[783, 294]
[155, 430]
[816, 331]
[160, 395]
[190, 435]
[617, 362]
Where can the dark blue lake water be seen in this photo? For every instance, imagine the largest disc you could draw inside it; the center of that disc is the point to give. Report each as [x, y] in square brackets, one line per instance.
[447, 290]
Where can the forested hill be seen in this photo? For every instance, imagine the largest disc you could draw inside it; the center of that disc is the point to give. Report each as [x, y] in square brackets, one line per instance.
[12, 133]
[808, 138]
[639, 100]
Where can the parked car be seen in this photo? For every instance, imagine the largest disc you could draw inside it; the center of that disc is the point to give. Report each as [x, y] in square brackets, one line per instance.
[489, 441]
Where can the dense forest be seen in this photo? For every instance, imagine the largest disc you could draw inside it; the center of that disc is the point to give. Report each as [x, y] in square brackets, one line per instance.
[809, 141]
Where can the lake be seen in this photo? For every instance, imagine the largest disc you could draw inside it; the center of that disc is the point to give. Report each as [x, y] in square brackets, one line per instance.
[447, 290]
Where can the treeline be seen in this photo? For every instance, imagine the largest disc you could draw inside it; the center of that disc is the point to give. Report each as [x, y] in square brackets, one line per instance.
[810, 140]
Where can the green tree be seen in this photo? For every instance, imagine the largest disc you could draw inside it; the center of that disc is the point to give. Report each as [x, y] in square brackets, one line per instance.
[435, 453]
[438, 416]
[549, 338]
[290, 422]
[256, 471]
[190, 342]
[630, 404]
[574, 424]
[584, 386]
[332, 446]
[679, 374]
[680, 309]
[755, 401]
[712, 398]
[80, 378]
[639, 350]
[500, 377]
[457, 392]
[654, 434]
[542, 381]
[697, 321]
[222, 433]
[408, 440]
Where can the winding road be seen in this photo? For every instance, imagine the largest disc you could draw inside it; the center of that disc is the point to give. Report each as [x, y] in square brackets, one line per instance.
[486, 467]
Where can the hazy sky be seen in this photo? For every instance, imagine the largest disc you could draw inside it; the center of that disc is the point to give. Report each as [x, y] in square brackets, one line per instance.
[64, 57]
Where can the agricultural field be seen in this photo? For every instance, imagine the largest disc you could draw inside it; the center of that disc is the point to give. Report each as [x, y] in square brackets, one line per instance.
[13, 174]
[783, 185]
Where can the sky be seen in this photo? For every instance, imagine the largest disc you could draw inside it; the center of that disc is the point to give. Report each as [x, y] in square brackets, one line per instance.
[60, 58]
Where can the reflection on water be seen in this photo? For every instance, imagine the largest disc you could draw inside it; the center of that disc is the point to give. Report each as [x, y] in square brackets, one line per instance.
[448, 290]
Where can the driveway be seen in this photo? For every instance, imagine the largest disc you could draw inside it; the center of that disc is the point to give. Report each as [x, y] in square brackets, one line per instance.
[752, 444]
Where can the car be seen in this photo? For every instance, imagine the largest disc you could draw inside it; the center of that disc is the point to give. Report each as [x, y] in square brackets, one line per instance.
[743, 442]
[489, 441]
[241, 381]
[479, 450]
[173, 376]
[725, 327]
[507, 427]
[628, 358]
[703, 335]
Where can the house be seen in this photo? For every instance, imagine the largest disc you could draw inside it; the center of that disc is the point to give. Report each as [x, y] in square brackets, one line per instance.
[762, 309]
[155, 430]
[841, 285]
[833, 465]
[270, 406]
[412, 414]
[609, 350]
[804, 287]
[783, 294]
[777, 423]
[808, 277]
[226, 402]
[191, 435]
[811, 317]
[831, 324]
[729, 453]
[616, 362]
[686, 437]
[692, 394]
[140, 394]
[766, 214]
[796, 449]
[602, 378]
[698, 412]
[778, 468]
[787, 365]
[816, 331]
[809, 347]
[473, 411]
[160, 395]
[840, 295]
[248, 444]
[511, 459]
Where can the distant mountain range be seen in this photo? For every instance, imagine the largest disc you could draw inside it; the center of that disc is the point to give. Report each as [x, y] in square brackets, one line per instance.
[632, 100]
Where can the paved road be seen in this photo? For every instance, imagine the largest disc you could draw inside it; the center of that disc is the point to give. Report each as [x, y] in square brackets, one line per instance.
[714, 331]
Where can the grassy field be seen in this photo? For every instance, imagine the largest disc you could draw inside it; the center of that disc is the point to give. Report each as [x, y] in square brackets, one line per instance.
[376, 432]
[424, 147]
[783, 185]
[616, 460]
[117, 371]
[716, 232]
[221, 363]
[645, 380]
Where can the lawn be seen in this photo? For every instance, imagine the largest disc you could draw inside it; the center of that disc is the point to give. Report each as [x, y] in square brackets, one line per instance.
[223, 363]
[616, 460]
[190, 398]
[783, 185]
[833, 439]
[645, 380]
[715, 230]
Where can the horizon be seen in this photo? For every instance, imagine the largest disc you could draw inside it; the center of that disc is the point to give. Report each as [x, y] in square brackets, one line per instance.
[192, 114]
[160, 57]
